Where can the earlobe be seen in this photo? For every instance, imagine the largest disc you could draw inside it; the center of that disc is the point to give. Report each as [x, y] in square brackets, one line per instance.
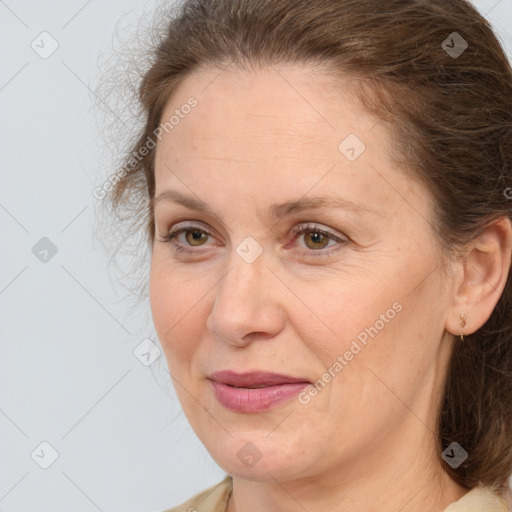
[485, 270]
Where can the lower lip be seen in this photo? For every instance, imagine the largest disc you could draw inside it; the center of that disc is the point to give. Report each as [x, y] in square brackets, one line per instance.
[255, 400]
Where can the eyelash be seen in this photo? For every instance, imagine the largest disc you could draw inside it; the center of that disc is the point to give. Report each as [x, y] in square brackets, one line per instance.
[296, 232]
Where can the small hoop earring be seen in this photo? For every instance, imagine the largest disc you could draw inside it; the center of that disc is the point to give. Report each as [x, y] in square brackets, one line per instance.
[462, 321]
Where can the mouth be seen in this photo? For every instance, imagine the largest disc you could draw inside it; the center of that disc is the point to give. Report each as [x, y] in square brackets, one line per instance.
[254, 391]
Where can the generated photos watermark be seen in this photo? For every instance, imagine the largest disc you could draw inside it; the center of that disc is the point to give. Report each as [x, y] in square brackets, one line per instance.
[166, 127]
[355, 348]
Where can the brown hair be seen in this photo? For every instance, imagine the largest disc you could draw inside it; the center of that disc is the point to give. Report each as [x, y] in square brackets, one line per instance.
[451, 116]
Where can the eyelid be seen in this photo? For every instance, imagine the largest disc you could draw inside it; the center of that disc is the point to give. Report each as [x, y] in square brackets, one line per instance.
[312, 226]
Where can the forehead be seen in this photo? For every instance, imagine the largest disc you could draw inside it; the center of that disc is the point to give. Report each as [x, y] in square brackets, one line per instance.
[268, 109]
[278, 133]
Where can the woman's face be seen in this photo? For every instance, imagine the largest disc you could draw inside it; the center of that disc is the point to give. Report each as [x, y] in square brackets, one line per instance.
[360, 311]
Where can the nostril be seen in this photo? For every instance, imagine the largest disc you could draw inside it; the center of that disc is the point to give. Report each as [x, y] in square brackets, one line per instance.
[257, 335]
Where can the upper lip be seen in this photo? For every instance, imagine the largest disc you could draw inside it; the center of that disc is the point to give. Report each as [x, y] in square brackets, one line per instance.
[253, 379]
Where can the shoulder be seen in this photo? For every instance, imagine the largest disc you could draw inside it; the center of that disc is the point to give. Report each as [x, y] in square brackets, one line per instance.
[477, 500]
[213, 499]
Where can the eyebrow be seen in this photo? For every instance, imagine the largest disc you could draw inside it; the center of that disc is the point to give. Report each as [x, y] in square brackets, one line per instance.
[273, 212]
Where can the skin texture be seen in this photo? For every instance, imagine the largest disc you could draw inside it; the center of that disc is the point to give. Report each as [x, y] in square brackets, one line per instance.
[367, 440]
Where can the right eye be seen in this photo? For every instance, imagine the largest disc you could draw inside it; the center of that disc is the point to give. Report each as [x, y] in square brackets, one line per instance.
[194, 237]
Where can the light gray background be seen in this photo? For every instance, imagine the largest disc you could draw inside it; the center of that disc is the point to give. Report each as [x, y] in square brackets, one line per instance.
[68, 373]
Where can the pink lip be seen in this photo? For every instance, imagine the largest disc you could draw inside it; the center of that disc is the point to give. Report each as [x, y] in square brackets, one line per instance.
[255, 391]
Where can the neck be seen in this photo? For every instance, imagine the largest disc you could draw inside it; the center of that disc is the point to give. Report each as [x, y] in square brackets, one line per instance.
[411, 480]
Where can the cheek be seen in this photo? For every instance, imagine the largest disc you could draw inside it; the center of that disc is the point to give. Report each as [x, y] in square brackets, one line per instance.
[173, 311]
[340, 313]
[367, 325]
[388, 348]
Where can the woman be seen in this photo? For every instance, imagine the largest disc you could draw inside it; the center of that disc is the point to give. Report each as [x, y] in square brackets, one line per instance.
[329, 211]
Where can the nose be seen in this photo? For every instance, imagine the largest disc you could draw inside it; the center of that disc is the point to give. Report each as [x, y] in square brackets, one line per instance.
[247, 306]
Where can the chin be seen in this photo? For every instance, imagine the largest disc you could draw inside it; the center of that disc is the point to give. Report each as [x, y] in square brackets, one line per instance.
[259, 458]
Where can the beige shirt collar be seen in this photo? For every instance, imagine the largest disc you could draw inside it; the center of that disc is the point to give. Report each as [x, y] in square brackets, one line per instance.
[215, 499]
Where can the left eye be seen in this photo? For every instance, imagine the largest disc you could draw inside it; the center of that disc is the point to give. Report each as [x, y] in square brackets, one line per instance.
[316, 238]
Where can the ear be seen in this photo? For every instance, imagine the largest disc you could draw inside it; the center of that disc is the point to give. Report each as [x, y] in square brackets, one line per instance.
[482, 279]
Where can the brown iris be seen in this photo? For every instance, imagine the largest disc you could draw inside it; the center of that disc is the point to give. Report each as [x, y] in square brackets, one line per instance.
[317, 240]
[197, 236]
